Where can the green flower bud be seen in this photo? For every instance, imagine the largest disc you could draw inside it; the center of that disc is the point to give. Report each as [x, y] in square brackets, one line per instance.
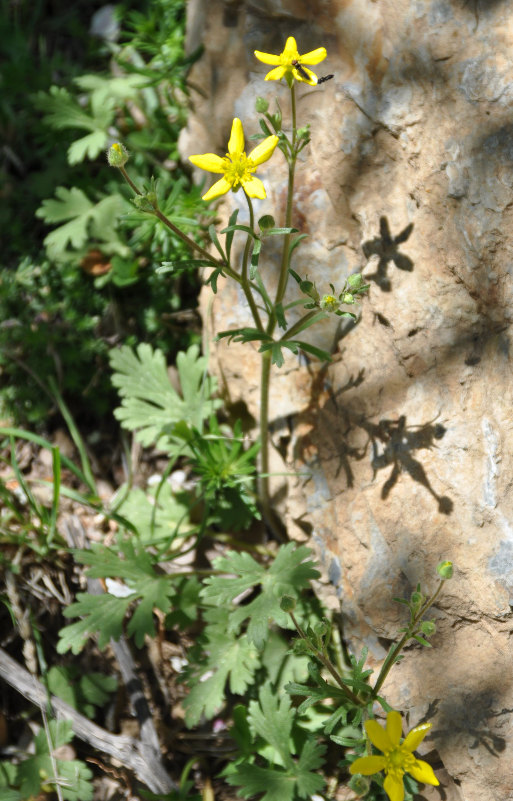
[117, 155]
[287, 603]
[329, 303]
[261, 105]
[266, 222]
[445, 570]
[300, 647]
[355, 281]
[427, 627]
[348, 298]
[321, 628]
[359, 785]
[303, 133]
[416, 599]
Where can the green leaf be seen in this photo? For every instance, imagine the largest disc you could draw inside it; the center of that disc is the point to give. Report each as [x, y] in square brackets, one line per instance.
[257, 247]
[86, 219]
[149, 403]
[230, 234]
[75, 780]
[280, 316]
[88, 146]
[102, 613]
[289, 573]
[271, 719]
[323, 355]
[227, 657]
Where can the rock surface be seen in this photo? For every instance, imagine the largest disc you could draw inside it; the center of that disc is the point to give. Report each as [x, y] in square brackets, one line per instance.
[408, 434]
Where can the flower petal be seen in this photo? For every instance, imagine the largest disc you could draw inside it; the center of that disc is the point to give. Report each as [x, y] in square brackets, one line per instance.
[236, 143]
[314, 56]
[219, 188]
[209, 162]
[264, 150]
[414, 738]
[367, 765]
[299, 76]
[276, 74]
[423, 772]
[267, 58]
[378, 736]
[254, 187]
[394, 787]
[290, 51]
[394, 726]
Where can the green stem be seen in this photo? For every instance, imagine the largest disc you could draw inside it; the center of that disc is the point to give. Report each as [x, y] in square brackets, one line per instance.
[290, 333]
[265, 379]
[266, 356]
[172, 227]
[244, 273]
[327, 663]
[396, 649]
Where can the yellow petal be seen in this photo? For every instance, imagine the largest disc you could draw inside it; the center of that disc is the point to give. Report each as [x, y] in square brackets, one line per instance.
[367, 765]
[394, 726]
[423, 772]
[254, 187]
[290, 52]
[378, 736]
[394, 787]
[276, 74]
[219, 188]
[236, 143]
[267, 58]
[300, 77]
[414, 738]
[264, 150]
[209, 162]
[314, 56]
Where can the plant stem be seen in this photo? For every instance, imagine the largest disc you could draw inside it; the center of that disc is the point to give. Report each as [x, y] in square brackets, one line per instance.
[265, 380]
[290, 333]
[394, 652]
[244, 273]
[191, 244]
[327, 663]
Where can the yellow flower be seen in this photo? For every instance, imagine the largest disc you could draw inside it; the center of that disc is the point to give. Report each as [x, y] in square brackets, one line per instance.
[397, 759]
[290, 64]
[236, 168]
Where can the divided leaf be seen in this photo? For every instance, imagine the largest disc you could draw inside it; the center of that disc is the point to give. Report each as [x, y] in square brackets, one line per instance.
[229, 658]
[288, 574]
[149, 403]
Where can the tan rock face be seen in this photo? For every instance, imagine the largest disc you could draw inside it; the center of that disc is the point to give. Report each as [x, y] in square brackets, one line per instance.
[408, 434]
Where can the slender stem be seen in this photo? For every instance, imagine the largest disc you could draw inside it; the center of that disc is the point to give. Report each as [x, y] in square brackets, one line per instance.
[290, 333]
[244, 273]
[327, 663]
[265, 381]
[396, 649]
[172, 227]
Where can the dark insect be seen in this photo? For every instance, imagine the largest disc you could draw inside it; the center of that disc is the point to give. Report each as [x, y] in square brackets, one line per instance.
[301, 70]
[326, 78]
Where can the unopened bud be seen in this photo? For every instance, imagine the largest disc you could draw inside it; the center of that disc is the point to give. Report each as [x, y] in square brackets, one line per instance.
[261, 105]
[427, 628]
[287, 603]
[117, 155]
[445, 570]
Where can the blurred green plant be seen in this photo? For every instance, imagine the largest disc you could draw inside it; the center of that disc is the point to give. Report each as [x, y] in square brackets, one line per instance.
[95, 282]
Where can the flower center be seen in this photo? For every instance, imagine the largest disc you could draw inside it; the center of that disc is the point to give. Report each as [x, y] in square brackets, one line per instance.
[238, 169]
[398, 761]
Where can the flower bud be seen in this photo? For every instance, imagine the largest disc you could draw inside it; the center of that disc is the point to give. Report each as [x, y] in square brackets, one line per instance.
[416, 599]
[321, 628]
[261, 105]
[359, 785]
[266, 222]
[348, 298]
[427, 628]
[117, 155]
[355, 281]
[445, 570]
[287, 603]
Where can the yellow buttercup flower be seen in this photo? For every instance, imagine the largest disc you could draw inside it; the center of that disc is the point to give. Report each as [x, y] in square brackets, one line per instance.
[290, 64]
[236, 168]
[397, 758]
